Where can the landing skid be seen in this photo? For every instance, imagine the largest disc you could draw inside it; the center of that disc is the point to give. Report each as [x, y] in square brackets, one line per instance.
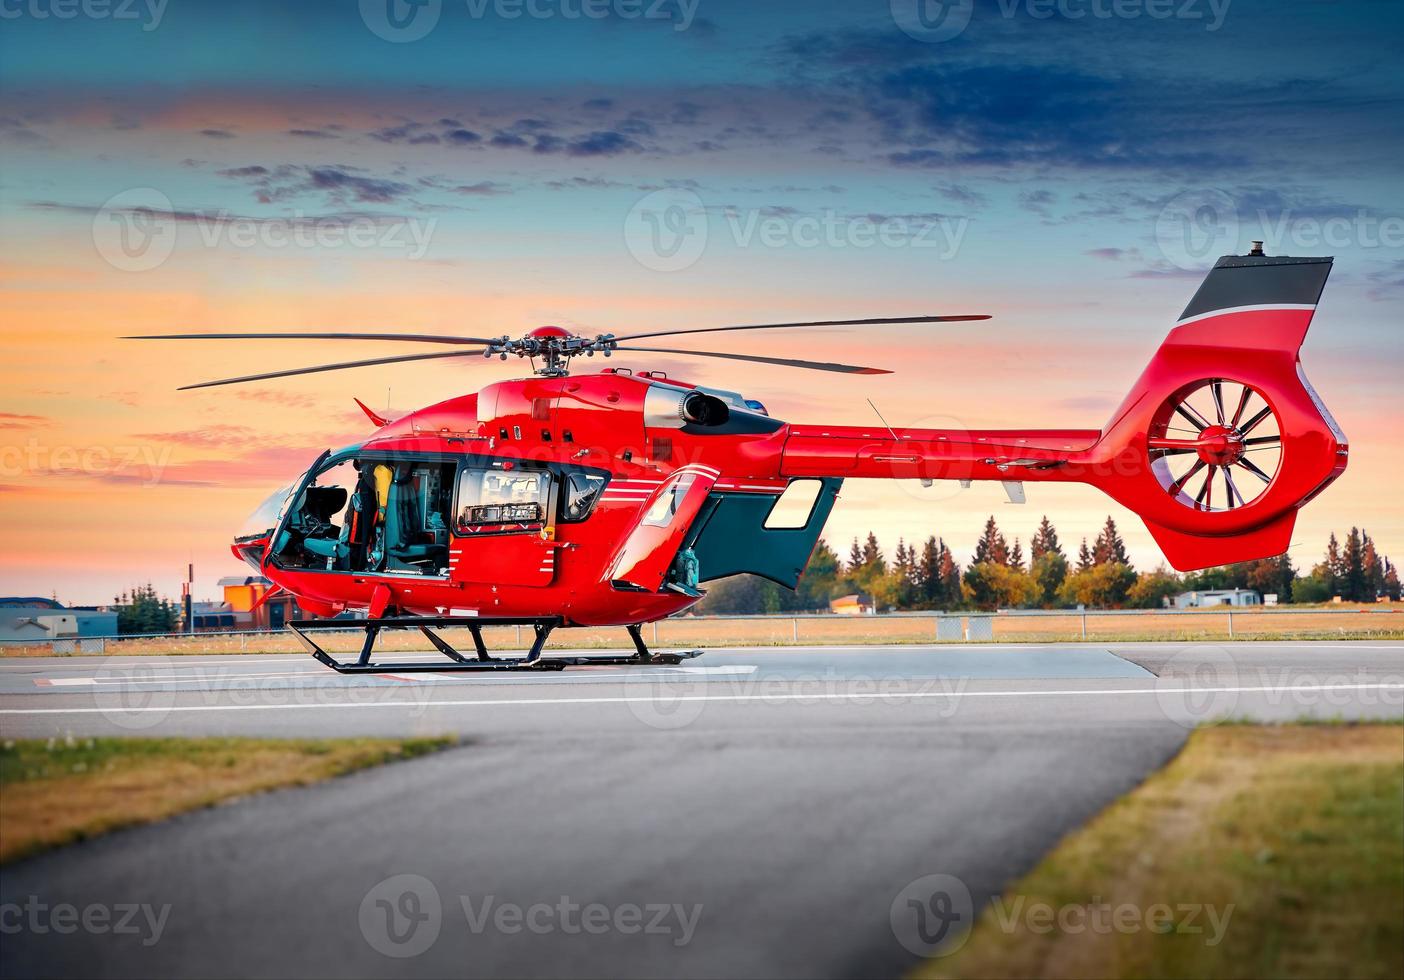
[482, 662]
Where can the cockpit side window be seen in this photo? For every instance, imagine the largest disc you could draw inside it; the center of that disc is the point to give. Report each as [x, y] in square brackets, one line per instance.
[582, 491]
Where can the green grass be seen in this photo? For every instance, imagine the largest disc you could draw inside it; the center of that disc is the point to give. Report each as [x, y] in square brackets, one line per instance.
[1294, 834]
[58, 791]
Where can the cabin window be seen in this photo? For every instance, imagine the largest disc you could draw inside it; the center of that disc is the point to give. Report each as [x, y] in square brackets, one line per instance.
[661, 512]
[582, 490]
[500, 499]
[794, 506]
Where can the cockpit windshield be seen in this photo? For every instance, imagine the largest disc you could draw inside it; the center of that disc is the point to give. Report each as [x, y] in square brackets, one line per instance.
[269, 513]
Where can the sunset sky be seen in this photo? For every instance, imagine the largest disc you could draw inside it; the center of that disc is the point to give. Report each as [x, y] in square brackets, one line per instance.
[485, 167]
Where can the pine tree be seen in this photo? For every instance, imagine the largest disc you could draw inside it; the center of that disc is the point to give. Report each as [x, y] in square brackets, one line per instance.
[1374, 570]
[1353, 558]
[872, 555]
[1016, 556]
[929, 573]
[1391, 581]
[855, 558]
[991, 547]
[950, 578]
[1334, 567]
[1084, 557]
[819, 583]
[1109, 548]
[1045, 541]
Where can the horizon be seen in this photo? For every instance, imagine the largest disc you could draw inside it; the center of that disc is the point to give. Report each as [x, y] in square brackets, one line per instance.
[321, 168]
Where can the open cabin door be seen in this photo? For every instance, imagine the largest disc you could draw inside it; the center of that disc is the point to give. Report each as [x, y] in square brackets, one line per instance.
[648, 552]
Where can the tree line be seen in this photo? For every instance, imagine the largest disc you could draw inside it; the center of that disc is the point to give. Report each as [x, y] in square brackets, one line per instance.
[1000, 576]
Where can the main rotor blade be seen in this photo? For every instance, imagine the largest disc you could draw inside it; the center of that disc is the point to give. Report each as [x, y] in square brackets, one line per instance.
[813, 323]
[332, 367]
[783, 361]
[419, 338]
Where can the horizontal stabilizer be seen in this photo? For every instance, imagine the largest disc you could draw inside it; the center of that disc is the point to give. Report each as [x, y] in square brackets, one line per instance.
[1190, 552]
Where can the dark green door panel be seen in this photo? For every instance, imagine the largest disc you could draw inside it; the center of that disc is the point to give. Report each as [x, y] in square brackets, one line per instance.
[730, 536]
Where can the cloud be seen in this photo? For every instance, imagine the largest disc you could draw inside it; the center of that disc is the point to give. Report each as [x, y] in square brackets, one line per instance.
[217, 134]
[209, 436]
[223, 217]
[272, 396]
[314, 134]
[606, 143]
[340, 184]
[10, 420]
[1110, 254]
[483, 188]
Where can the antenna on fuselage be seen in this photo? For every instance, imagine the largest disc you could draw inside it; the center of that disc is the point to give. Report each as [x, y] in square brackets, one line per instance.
[882, 420]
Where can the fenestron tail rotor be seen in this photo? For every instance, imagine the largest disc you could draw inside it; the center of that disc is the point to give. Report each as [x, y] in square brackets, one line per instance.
[1215, 445]
[555, 347]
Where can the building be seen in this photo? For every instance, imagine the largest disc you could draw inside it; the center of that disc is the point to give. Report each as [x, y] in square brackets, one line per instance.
[1218, 597]
[242, 593]
[851, 605]
[30, 619]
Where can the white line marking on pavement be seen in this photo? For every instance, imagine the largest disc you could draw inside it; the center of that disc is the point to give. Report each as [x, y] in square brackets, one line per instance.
[775, 698]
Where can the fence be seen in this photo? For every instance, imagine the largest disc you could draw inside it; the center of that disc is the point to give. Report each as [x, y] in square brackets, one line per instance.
[815, 629]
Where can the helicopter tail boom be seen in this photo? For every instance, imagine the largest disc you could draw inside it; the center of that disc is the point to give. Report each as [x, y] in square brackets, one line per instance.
[1218, 444]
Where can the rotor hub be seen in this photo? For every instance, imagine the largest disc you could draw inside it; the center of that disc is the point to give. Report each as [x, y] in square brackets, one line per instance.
[1220, 445]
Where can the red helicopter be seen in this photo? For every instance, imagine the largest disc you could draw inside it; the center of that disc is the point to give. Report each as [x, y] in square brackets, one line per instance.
[608, 499]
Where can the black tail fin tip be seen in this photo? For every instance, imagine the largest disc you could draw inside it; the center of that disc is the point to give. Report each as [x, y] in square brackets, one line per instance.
[1239, 281]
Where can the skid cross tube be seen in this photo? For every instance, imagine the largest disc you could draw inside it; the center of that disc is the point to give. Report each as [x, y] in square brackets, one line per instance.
[458, 662]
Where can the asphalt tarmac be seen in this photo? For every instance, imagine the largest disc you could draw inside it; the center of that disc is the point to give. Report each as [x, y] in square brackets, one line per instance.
[752, 813]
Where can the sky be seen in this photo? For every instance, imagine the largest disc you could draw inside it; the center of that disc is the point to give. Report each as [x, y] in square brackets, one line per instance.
[486, 166]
